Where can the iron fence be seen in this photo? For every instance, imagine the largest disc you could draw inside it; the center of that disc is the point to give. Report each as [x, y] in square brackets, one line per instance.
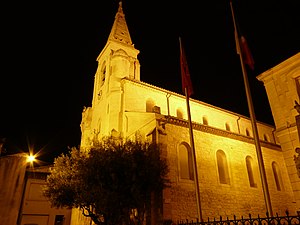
[268, 220]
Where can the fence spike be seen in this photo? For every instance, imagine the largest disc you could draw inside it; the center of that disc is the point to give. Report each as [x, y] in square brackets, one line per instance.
[287, 212]
[249, 221]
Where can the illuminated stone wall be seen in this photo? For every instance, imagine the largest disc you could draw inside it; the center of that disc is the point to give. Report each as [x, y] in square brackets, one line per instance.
[282, 86]
[36, 209]
[136, 95]
[221, 199]
[12, 173]
[217, 199]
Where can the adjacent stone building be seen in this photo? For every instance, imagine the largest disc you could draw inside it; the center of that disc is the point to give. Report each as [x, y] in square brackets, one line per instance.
[12, 176]
[21, 197]
[282, 84]
[229, 180]
[35, 208]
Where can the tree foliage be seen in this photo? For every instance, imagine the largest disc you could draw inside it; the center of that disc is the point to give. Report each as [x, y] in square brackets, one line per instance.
[112, 182]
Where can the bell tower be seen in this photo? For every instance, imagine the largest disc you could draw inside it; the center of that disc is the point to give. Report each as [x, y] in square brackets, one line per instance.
[117, 61]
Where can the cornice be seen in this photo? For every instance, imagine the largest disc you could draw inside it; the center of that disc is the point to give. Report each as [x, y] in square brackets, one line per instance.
[216, 131]
[284, 67]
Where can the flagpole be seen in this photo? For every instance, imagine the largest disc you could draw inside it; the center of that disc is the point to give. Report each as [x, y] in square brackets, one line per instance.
[186, 82]
[253, 122]
[193, 156]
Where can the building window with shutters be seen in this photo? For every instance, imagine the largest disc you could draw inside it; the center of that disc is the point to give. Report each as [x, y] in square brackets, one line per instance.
[59, 220]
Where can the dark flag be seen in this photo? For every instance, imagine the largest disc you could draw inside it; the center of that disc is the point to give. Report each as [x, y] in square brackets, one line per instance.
[247, 56]
[242, 45]
[187, 89]
[185, 74]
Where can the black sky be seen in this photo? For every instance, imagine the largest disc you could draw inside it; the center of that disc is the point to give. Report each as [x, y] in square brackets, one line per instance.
[49, 52]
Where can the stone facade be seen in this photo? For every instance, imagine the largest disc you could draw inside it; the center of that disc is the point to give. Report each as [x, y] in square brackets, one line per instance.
[21, 198]
[12, 174]
[282, 84]
[226, 158]
[217, 199]
[35, 208]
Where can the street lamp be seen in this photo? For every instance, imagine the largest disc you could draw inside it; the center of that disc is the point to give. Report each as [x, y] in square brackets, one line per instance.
[30, 158]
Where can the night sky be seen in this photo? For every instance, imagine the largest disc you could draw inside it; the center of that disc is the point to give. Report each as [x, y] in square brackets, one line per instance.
[49, 52]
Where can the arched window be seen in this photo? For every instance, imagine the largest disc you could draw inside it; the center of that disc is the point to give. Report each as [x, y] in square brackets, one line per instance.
[103, 74]
[297, 79]
[185, 162]
[149, 105]
[277, 176]
[204, 120]
[250, 170]
[222, 167]
[179, 113]
[266, 138]
[227, 126]
[248, 132]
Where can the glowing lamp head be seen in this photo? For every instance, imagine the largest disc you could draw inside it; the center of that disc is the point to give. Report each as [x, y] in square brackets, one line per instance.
[30, 158]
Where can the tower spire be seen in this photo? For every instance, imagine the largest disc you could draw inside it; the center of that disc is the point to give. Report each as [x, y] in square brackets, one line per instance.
[119, 31]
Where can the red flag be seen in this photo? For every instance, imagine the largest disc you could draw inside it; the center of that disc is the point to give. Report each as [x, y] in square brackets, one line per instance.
[241, 43]
[247, 56]
[185, 74]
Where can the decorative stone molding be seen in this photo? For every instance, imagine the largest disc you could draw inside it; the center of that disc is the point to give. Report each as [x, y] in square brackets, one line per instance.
[216, 131]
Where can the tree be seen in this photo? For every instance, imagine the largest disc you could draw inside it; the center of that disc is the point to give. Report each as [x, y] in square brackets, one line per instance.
[112, 183]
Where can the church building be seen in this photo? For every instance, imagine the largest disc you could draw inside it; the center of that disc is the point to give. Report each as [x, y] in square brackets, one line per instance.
[228, 172]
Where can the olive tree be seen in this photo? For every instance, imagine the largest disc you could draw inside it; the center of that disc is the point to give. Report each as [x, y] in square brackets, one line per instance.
[111, 183]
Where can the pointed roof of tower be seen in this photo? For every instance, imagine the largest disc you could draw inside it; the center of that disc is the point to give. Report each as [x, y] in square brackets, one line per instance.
[119, 31]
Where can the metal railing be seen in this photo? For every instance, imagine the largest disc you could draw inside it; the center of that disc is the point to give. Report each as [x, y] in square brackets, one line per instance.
[274, 220]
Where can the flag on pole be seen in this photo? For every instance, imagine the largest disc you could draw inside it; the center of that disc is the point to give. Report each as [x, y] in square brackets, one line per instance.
[185, 74]
[187, 89]
[241, 43]
[247, 56]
